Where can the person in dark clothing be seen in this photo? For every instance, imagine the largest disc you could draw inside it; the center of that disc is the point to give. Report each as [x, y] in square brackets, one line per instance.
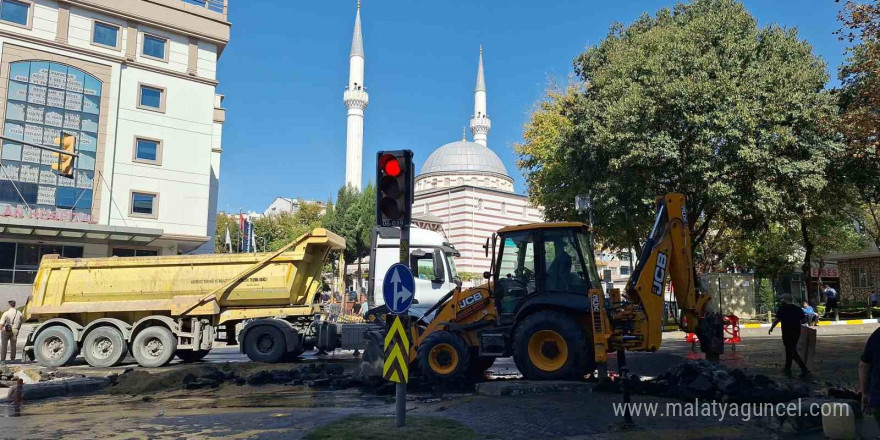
[791, 317]
[869, 375]
[831, 302]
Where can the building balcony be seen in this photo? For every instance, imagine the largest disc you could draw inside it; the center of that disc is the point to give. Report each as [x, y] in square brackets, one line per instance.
[211, 5]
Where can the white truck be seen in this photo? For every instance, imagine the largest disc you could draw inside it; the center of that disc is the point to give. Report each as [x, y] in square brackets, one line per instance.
[431, 260]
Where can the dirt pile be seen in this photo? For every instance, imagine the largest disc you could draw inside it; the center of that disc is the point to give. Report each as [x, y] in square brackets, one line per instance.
[213, 375]
[704, 380]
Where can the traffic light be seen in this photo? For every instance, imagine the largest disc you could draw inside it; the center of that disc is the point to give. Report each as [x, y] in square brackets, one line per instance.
[64, 164]
[394, 193]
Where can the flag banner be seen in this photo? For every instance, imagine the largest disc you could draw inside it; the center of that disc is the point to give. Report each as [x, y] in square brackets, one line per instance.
[228, 241]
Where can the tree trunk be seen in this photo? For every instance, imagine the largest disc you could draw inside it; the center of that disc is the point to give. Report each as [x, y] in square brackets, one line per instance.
[360, 278]
[808, 256]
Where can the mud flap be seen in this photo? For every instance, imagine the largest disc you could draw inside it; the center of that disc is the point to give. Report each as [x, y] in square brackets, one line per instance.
[711, 334]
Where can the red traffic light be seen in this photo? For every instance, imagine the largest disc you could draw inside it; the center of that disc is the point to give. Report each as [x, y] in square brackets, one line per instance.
[389, 164]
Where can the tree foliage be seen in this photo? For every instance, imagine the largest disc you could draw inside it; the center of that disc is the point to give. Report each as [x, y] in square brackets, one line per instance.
[353, 217]
[697, 99]
[859, 166]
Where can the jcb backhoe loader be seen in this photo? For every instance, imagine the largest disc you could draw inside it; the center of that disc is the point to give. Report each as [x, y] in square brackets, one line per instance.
[543, 304]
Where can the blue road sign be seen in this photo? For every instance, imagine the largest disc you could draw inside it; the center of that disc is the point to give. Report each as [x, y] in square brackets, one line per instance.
[398, 288]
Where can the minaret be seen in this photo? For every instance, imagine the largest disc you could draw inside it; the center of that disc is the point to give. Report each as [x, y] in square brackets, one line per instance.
[356, 100]
[480, 123]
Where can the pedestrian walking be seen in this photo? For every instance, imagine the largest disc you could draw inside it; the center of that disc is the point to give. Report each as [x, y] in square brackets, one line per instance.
[811, 316]
[10, 323]
[869, 376]
[790, 316]
[831, 300]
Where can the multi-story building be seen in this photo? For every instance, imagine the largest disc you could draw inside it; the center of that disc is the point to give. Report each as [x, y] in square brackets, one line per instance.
[134, 81]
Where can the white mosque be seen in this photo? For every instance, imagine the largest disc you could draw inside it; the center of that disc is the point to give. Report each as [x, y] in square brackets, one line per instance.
[463, 189]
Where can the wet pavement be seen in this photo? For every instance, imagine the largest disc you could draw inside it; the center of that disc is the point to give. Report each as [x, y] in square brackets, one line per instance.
[289, 412]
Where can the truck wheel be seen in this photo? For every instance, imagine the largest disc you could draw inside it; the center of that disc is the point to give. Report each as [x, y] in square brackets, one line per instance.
[55, 346]
[265, 343]
[104, 347]
[154, 347]
[549, 346]
[192, 355]
[443, 357]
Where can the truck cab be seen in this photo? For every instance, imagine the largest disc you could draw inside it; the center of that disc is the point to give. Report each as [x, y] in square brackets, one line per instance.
[430, 258]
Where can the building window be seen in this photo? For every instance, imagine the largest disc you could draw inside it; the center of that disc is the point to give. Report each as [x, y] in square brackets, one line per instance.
[143, 205]
[147, 151]
[862, 277]
[15, 12]
[19, 261]
[151, 98]
[155, 47]
[624, 270]
[504, 207]
[44, 100]
[127, 252]
[479, 203]
[105, 34]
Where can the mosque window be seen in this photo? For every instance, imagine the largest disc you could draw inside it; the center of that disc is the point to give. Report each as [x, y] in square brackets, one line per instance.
[461, 180]
[504, 207]
[479, 203]
[44, 100]
[446, 182]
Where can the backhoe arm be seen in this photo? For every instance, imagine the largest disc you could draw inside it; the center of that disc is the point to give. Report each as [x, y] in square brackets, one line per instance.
[666, 253]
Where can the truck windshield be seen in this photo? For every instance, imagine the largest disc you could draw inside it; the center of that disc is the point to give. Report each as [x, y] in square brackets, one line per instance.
[584, 243]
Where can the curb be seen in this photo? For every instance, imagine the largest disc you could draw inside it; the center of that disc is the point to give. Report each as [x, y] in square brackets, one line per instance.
[520, 387]
[57, 388]
[823, 323]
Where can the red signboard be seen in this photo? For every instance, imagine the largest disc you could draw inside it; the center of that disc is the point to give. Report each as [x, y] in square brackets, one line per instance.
[826, 273]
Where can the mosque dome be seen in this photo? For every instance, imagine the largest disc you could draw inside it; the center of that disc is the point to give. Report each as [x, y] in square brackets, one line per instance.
[463, 156]
[463, 163]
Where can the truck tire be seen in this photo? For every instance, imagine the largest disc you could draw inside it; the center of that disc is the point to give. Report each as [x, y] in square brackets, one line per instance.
[104, 347]
[188, 356]
[265, 343]
[549, 345]
[55, 346]
[443, 357]
[154, 346]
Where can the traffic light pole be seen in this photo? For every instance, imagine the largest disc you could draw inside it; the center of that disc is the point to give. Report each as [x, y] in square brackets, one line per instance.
[400, 389]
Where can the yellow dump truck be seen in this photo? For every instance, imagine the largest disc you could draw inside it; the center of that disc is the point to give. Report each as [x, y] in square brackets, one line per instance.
[159, 307]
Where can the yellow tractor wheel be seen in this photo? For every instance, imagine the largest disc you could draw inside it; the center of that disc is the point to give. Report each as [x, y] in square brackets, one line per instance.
[551, 345]
[548, 350]
[443, 356]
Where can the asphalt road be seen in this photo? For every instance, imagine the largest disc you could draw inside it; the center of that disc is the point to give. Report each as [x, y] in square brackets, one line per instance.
[280, 411]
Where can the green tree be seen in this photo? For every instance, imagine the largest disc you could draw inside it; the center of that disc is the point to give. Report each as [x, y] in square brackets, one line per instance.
[697, 99]
[859, 165]
[279, 229]
[353, 217]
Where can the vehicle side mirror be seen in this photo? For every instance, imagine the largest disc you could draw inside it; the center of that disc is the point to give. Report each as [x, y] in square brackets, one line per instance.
[439, 274]
[487, 275]
[486, 246]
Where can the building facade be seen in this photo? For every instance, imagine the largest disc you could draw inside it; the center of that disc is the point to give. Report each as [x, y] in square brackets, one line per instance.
[134, 82]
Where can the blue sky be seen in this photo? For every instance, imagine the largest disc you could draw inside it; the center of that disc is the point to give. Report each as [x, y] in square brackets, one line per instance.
[286, 66]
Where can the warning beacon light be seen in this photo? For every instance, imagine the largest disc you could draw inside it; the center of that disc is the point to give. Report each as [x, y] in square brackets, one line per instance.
[394, 191]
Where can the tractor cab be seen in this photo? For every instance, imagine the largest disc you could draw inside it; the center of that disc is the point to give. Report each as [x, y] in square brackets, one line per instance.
[541, 264]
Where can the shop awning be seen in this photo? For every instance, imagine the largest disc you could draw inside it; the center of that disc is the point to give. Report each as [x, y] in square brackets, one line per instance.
[17, 228]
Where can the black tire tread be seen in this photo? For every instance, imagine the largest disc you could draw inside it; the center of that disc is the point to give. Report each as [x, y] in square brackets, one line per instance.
[440, 337]
[562, 323]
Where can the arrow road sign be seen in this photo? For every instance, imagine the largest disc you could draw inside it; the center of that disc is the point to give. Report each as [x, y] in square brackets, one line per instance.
[396, 368]
[398, 288]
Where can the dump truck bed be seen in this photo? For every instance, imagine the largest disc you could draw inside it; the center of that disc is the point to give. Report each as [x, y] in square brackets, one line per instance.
[184, 284]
